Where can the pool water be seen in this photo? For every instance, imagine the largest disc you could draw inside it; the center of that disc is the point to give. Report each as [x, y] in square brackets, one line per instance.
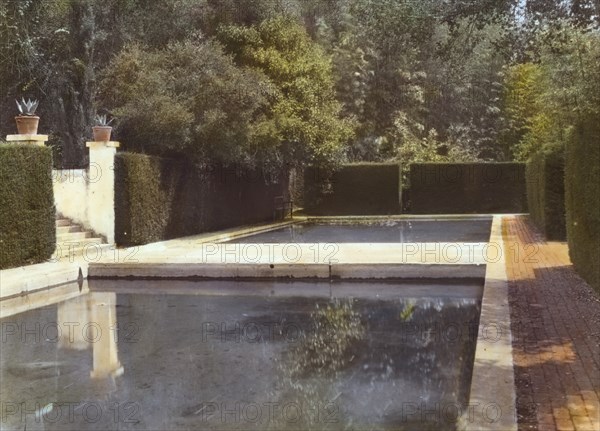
[242, 356]
[475, 230]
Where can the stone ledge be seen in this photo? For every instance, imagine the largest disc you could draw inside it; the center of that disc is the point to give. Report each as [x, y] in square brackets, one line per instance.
[461, 290]
[284, 271]
[12, 138]
[96, 144]
[39, 140]
[26, 279]
[493, 381]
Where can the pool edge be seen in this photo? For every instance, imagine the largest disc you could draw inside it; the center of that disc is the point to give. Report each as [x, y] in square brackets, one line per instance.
[493, 394]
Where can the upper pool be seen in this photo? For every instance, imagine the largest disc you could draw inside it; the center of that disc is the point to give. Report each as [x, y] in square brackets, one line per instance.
[242, 356]
[471, 230]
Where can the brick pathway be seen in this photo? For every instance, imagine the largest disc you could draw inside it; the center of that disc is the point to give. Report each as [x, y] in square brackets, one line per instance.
[555, 318]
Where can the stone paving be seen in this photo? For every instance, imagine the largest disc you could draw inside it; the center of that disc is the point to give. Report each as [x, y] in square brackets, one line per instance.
[555, 319]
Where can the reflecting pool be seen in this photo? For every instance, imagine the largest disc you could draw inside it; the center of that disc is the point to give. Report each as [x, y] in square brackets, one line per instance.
[474, 230]
[170, 355]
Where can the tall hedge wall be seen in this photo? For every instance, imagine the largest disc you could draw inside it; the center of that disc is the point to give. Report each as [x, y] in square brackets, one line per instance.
[354, 189]
[582, 200]
[158, 199]
[27, 213]
[545, 175]
[464, 188]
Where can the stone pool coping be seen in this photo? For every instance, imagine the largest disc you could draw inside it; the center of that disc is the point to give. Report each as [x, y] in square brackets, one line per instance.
[283, 271]
[32, 278]
[400, 217]
[42, 298]
[195, 259]
[493, 390]
[209, 257]
[24, 280]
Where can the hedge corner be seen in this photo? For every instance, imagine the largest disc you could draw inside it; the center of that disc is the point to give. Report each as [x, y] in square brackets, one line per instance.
[27, 211]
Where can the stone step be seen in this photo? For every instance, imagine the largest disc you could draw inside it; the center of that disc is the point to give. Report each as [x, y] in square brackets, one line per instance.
[72, 240]
[72, 236]
[66, 229]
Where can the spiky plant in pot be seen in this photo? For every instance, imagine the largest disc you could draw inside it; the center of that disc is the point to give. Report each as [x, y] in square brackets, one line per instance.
[27, 121]
[102, 129]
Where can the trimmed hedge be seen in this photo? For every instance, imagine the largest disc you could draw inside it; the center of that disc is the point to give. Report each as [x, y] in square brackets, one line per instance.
[158, 199]
[465, 188]
[582, 200]
[27, 212]
[354, 189]
[546, 191]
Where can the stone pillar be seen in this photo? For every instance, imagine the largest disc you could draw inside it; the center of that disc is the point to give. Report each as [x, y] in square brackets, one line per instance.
[101, 188]
[28, 139]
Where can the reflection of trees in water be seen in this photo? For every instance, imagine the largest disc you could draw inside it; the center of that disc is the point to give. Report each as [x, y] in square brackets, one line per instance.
[309, 371]
[432, 354]
[336, 326]
[425, 346]
[407, 313]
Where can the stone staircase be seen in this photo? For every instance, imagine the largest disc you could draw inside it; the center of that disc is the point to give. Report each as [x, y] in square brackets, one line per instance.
[73, 240]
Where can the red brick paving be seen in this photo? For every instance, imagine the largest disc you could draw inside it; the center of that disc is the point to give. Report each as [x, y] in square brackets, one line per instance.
[555, 318]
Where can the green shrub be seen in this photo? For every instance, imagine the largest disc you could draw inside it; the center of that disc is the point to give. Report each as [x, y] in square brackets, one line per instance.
[201, 106]
[27, 213]
[270, 103]
[158, 199]
[545, 174]
[582, 200]
[354, 189]
[464, 188]
[303, 122]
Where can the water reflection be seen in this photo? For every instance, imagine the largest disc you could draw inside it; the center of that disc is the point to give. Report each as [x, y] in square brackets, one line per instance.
[392, 231]
[309, 370]
[379, 364]
[105, 351]
[323, 350]
[235, 362]
[90, 321]
[56, 358]
[72, 317]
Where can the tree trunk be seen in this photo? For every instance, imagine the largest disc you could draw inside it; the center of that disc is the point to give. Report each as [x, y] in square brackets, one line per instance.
[74, 95]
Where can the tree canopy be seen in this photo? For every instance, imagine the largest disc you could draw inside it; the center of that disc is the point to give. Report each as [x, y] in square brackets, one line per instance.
[303, 122]
[279, 82]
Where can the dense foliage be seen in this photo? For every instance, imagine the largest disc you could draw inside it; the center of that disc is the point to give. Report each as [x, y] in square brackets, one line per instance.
[464, 188]
[582, 199]
[354, 189]
[546, 191]
[158, 198]
[547, 98]
[303, 122]
[318, 80]
[186, 100]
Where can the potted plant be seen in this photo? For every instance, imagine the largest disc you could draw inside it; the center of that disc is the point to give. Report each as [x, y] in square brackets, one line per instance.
[27, 121]
[102, 129]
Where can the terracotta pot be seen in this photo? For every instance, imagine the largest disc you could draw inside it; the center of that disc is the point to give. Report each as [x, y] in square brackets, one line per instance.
[102, 133]
[27, 124]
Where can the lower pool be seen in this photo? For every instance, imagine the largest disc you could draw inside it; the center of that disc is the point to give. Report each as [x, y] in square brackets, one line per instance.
[465, 230]
[242, 356]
